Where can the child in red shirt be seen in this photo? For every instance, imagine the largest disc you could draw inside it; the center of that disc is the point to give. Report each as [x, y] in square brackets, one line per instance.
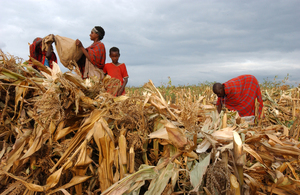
[116, 70]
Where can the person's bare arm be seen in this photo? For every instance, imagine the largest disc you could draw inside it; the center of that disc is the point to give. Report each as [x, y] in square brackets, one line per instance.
[38, 42]
[122, 87]
[219, 107]
[49, 51]
[50, 48]
[37, 46]
[79, 44]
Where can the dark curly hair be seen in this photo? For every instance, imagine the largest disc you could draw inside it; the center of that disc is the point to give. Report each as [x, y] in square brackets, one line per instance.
[114, 49]
[101, 32]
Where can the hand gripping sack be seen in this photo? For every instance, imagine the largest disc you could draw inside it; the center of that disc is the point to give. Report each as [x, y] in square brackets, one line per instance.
[67, 51]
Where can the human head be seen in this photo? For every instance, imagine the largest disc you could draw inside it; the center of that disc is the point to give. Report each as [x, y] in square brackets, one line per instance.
[100, 31]
[219, 90]
[114, 49]
[114, 54]
[37, 39]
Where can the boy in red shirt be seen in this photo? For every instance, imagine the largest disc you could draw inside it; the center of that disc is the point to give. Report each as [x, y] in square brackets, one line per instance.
[116, 70]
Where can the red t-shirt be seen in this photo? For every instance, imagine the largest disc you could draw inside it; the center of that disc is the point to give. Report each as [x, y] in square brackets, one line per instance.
[118, 72]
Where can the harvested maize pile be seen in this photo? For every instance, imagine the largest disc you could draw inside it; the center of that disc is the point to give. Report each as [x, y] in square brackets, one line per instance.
[60, 134]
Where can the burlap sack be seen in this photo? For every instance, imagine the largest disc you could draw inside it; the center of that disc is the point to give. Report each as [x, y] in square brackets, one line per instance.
[67, 51]
[91, 70]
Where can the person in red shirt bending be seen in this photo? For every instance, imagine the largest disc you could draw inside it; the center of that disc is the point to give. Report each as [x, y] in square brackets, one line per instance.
[116, 70]
[239, 94]
[45, 57]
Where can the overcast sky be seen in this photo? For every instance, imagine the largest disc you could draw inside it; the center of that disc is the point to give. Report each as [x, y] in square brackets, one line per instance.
[190, 41]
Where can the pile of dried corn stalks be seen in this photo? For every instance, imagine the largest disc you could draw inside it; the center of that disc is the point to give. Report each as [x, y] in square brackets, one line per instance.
[62, 135]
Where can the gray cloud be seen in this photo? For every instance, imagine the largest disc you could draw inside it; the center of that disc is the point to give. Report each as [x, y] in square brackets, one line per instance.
[190, 41]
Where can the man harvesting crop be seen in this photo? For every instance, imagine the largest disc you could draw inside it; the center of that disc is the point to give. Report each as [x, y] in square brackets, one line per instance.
[239, 94]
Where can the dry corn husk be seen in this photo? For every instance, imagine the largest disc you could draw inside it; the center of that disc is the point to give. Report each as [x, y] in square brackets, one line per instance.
[83, 140]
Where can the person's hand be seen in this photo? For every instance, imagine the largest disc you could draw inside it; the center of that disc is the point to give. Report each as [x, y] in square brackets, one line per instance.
[52, 36]
[78, 43]
[119, 92]
[49, 43]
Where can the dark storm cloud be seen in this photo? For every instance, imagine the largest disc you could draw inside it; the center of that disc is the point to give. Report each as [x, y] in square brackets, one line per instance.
[190, 41]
